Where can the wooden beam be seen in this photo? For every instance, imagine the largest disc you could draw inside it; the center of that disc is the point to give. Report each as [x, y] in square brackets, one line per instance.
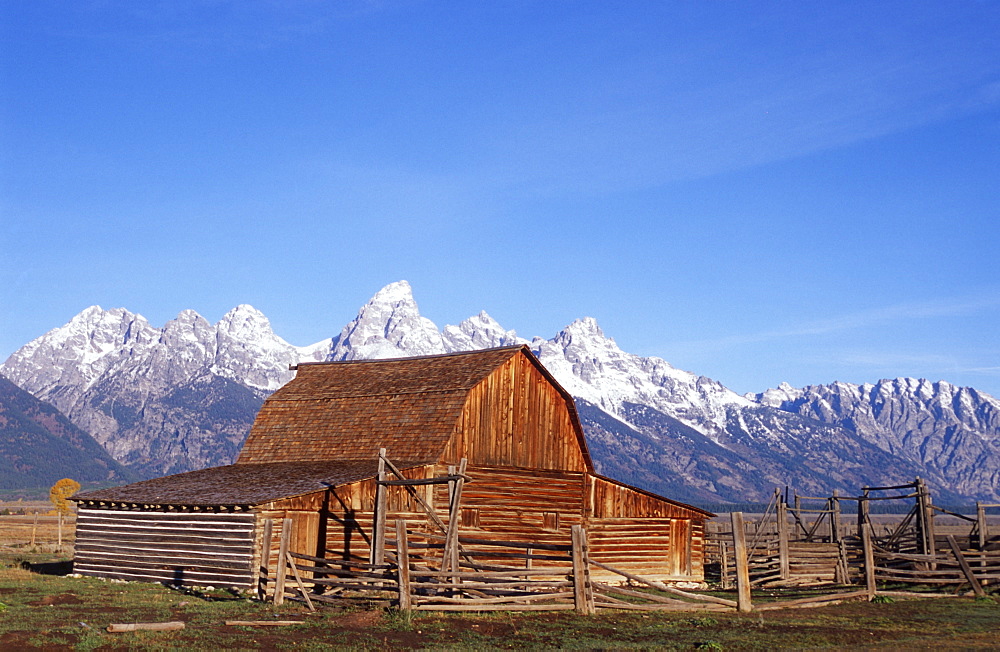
[264, 623]
[298, 581]
[450, 559]
[782, 516]
[171, 626]
[264, 572]
[964, 565]
[983, 534]
[381, 503]
[579, 576]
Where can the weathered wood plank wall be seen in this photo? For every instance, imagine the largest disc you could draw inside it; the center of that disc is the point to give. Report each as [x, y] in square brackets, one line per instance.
[516, 417]
[174, 547]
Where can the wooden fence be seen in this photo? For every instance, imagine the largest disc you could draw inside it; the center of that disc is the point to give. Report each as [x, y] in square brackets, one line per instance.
[795, 543]
[805, 542]
[419, 573]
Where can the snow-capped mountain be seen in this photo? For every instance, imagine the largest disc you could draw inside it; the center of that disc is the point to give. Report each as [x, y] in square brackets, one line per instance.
[592, 367]
[159, 400]
[952, 433]
[184, 396]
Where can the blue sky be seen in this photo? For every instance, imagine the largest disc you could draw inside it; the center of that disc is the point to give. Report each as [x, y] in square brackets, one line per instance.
[757, 192]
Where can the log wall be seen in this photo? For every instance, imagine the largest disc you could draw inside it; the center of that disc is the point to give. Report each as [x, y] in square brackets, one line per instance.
[187, 548]
[628, 529]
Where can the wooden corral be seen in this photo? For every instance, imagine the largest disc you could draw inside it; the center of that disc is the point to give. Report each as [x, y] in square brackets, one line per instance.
[482, 445]
[808, 541]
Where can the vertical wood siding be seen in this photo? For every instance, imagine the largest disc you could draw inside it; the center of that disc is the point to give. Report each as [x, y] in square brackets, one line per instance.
[200, 548]
[515, 417]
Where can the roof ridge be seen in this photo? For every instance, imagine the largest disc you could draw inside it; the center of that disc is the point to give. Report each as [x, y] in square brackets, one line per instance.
[494, 349]
[338, 397]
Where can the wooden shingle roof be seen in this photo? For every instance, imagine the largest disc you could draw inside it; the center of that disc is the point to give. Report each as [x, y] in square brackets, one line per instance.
[348, 410]
[241, 484]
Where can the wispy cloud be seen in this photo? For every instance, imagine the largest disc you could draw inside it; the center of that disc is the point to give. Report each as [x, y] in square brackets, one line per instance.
[985, 371]
[865, 319]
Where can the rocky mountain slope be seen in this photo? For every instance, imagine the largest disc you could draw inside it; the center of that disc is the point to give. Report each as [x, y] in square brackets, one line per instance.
[184, 396]
[951, 433]
[39, 445]
[159, 400]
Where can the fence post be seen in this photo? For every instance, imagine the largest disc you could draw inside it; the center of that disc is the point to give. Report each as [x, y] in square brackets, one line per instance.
[378, 526]
[842, 575]
[279, 580]
[782, 515]
[983, 534]
[403, 565]
[588, 586]
[835, 529]
[866, 544]
[450, 559]
[743, 603]
[580, 588]
[863, 508]
[798, 518]
[724, 552]
[931, 537]
[264, 571]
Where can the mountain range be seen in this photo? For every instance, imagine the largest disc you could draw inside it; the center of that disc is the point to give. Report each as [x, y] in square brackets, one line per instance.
[182, 397]
[39, 446]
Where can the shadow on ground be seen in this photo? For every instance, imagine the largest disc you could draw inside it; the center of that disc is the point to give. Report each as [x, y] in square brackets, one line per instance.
[50, 568]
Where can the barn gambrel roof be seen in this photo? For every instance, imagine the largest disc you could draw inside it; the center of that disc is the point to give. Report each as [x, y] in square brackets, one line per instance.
[348, 410]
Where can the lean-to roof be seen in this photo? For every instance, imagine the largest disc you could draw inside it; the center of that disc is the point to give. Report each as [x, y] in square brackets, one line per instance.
[241, 484]
[348, 410]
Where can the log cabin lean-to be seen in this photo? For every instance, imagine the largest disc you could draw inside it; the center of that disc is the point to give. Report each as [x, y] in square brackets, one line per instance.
[312, 456]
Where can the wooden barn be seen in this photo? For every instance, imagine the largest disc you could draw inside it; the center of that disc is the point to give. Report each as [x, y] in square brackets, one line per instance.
[312, 456]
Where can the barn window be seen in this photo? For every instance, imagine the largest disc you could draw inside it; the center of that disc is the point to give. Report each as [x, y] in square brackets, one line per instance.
[470, 517]
[550, 521]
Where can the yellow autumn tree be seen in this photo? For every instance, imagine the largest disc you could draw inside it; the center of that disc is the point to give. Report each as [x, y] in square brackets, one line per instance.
[60, 492]
[59, 497]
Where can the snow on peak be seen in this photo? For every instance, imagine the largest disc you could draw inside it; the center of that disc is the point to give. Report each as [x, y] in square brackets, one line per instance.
[388, 326]
[399, 292]
[776, 396]
[586, 326]
[479, 332]
[249, 352]
[591, 365]
[79, 352]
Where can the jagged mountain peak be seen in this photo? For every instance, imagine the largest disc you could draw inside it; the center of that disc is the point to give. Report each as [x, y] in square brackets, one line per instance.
[480, 331]
[395, 293]
[586, 326]
[388, 326]
[593, 367]
[245, 322]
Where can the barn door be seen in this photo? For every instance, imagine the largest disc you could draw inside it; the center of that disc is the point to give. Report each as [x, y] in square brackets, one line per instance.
[305, 534]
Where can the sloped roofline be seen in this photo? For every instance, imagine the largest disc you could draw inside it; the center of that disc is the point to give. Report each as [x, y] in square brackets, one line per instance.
[522, 348]
[653, 494]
